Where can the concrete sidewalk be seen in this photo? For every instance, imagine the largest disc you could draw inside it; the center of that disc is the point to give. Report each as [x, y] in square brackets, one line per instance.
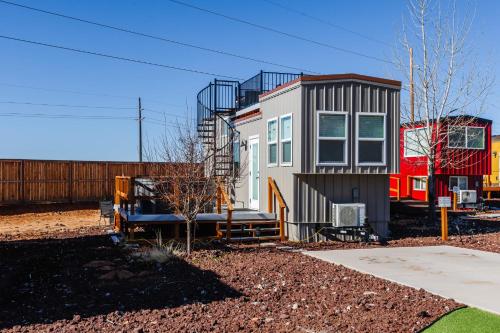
[469, 276]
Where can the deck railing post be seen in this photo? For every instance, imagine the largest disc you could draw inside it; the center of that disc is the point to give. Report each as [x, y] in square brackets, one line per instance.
[282, 224]
[229, 223]
[269, 195]
[398, 182]
[218, 200]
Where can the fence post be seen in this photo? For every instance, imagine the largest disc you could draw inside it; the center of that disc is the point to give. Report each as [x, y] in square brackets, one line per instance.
[70, 182]
[21, 176]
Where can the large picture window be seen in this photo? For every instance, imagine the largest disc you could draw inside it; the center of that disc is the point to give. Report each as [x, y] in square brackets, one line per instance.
[332, 138]
[272, 142]
[415, 142]
[466, 137]
[286, 140]
[371, 139]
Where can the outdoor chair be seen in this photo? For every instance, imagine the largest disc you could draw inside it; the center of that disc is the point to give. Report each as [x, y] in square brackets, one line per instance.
[107, 211]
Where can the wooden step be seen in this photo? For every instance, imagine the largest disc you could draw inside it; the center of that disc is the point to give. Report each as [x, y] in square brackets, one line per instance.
[250, 230]
[239, 222]
[250, 239]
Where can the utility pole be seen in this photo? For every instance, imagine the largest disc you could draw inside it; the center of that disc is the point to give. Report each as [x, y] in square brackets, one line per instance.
[140, 130]
[412, 91]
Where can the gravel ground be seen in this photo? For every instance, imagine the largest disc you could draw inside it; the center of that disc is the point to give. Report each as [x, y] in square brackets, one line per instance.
[483, 242]
[82, 283]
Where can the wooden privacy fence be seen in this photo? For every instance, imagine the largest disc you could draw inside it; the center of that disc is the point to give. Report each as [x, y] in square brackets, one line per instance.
[34, 181]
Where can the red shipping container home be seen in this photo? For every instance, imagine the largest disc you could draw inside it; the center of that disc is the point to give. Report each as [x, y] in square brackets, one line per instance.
[463, 156]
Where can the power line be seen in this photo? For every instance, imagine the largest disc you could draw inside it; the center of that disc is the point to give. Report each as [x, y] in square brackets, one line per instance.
[164, 113]
[84, 93]
[68, 105]
[163, 39]
[280, 32]
[93, 117]
[336, 26]
[63, 116]
[118, 57]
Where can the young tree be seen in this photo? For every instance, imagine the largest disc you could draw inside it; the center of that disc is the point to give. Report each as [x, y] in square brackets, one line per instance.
[185, 182]
[449, 87]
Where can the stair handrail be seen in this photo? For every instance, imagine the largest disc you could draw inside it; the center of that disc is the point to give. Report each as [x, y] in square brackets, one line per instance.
[272, 190]
[396, 189]
[223, 196]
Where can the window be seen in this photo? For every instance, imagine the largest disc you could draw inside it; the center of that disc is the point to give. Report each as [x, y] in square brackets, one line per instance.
[475, 137]
[272, 142]
[371, 139]
[236, 155]
[420, 183]
[332, 137]
[286, 140]
[225, 126]
[466, 137]
[416, 142]
[458, 181]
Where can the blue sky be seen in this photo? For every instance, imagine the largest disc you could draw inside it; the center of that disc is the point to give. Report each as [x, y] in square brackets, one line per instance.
[76, 79]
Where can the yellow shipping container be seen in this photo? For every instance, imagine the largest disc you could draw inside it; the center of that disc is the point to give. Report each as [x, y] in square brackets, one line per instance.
[493, 179]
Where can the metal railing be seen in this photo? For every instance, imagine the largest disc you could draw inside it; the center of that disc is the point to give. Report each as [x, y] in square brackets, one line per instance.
[250, 90]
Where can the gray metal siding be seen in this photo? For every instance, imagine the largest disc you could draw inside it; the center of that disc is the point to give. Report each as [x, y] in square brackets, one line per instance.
[285, 102]
[315, 194]
[352, 97]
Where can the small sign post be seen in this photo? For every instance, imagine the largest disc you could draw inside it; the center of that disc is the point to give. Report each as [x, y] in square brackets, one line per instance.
[444, 203]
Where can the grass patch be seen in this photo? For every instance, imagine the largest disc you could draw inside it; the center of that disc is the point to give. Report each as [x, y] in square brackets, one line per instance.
[466, 320]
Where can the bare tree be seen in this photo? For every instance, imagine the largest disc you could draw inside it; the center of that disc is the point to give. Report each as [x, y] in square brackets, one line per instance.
[185, 182]
[449, 87]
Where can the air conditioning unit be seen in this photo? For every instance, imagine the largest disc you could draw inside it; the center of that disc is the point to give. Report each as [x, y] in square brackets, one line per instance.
[467, 196]
[348, 215]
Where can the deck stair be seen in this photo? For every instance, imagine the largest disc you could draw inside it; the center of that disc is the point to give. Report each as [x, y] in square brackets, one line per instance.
[248, 225]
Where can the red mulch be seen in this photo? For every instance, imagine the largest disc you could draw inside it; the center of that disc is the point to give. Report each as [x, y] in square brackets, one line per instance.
[80, 282]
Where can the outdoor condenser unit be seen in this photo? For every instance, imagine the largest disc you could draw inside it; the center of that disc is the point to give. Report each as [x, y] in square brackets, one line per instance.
[348, 215]
[467, 196]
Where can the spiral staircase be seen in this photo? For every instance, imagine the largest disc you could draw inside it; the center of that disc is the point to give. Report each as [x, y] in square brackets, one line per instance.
[216, 104]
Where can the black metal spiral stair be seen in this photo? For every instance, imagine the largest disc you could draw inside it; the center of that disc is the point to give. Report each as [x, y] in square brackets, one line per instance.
[217, 103]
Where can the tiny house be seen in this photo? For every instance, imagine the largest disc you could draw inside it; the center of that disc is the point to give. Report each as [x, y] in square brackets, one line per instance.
[463, 157]
[323, 140]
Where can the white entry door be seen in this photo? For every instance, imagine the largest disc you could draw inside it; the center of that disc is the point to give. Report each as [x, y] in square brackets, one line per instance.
[253, 143]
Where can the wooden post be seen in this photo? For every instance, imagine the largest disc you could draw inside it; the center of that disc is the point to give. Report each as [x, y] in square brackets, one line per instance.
[229, 224]
[282, 223]
[408, 186]
[218, 200]
[444, 223]
[398, 185]
[269, 195]
[22, 176]
[177, 230]
[117, 187]
[454, 201]
[70, 182]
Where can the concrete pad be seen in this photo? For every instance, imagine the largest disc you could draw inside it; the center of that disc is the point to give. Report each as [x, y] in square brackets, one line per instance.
[468, 276]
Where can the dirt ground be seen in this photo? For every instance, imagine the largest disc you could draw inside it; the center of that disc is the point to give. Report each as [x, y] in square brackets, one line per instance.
[44, 221]
[60, 275]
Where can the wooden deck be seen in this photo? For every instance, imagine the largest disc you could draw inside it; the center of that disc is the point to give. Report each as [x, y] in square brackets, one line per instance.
[247, 215]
